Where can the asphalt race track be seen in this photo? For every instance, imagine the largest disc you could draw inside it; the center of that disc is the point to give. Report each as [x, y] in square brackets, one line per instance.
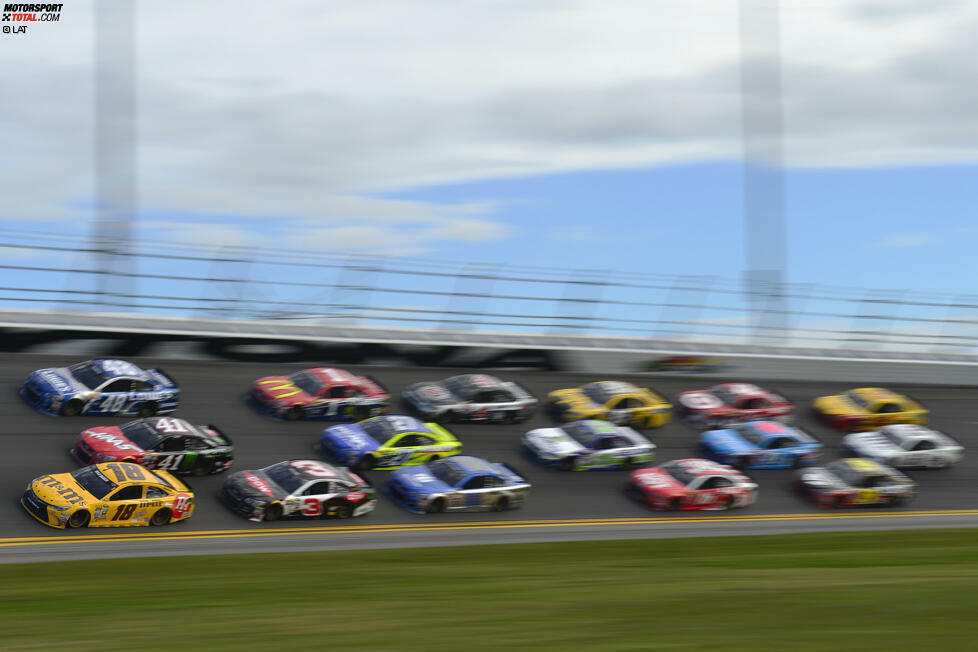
[578, 505]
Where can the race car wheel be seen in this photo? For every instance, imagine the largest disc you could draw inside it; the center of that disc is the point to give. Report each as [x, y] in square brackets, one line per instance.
[437, 506]
[366, 463]
[71, 408]
[293, 413]
[201, 468]
[838, 503]
[338, 510]
[567, 464]
[673, 505]
[433, 458]
[273, 512]
[161, 516]
[729, 502]
[148, 409]
[501, 505]
[79, 518]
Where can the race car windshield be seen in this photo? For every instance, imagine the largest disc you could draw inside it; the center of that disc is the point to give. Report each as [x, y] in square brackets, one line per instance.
[307, 382]
[460, 386]
[285, 476]
[579, 432]
[856, 398]
[93, 481]
[676, 471]
[87, 374]
[597, 392]
[447, 472]
[141, 433]
[724, 395]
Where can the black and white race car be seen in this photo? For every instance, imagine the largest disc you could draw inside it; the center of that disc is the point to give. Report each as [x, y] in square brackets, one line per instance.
[471, 397]
[906, 446]
[302, 488]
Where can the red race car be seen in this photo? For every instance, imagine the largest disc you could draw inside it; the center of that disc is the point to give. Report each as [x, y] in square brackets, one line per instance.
[692, 484]
[321, 393]
[731, 403]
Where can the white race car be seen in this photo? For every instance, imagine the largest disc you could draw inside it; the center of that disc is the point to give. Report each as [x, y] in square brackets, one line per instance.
[906, 446]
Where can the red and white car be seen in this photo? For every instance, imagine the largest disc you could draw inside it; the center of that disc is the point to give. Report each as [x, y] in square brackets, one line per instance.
[692, 484]
[321, 393]
[732, 403]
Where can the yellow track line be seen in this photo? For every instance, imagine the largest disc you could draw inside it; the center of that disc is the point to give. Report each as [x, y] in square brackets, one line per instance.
[479, 525]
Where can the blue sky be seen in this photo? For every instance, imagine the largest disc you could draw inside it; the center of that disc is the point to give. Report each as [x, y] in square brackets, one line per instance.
[577, 134]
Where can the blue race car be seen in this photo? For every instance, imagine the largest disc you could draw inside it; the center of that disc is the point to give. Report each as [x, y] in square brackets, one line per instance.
[387, 442]
[458, 483]
[760, 445]
[101, 387]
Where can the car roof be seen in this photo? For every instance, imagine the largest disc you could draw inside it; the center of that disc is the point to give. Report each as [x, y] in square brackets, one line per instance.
[469, 464]
[111, 368]
[860, 465]
[396, 424]
[478, 381]
[146, 475]
[613, 387]
[333, 376]
[877, 394]
[695, 466]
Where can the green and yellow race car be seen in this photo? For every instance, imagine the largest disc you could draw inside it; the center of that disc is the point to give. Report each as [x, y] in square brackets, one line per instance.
[387, 442]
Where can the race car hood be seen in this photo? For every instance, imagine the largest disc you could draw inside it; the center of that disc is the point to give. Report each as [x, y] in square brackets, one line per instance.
[658, 482]
[110, 440]
[350, 437]
[574, 398]
[553, 442]
[418, 479]
[61, 490]
[254, 484]
[871, 442]
[280, 389]
[58, 382]
[727, 442]
[703, 402]
[431, 393]
[837, 404]
[821, 478]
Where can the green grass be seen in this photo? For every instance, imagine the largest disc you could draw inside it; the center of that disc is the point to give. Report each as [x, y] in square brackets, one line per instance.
[900, 590]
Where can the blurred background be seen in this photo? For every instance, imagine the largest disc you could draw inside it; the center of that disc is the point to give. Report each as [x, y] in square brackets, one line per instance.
[750, 172]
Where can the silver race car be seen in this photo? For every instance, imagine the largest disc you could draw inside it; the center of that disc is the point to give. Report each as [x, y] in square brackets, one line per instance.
[588, 444]
[471, 397]
[906, 446]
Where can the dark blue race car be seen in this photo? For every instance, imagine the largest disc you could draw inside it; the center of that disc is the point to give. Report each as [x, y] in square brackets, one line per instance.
[458, 483]
[760, 445]
[101, 387]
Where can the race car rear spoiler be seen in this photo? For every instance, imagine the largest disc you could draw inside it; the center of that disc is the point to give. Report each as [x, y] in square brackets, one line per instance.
[165, 375]
[211, 426]
[378, 384]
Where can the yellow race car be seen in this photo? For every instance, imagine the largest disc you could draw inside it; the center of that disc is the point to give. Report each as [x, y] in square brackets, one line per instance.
[621, 403]
[866, 408]
[108, 495]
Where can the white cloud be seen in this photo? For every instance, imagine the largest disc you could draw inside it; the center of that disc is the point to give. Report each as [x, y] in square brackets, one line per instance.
[308, 113]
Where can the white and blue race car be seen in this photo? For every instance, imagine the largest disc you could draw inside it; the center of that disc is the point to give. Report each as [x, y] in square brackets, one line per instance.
[588, 444]
[760, 445]
[458, 483]
[101, 387]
